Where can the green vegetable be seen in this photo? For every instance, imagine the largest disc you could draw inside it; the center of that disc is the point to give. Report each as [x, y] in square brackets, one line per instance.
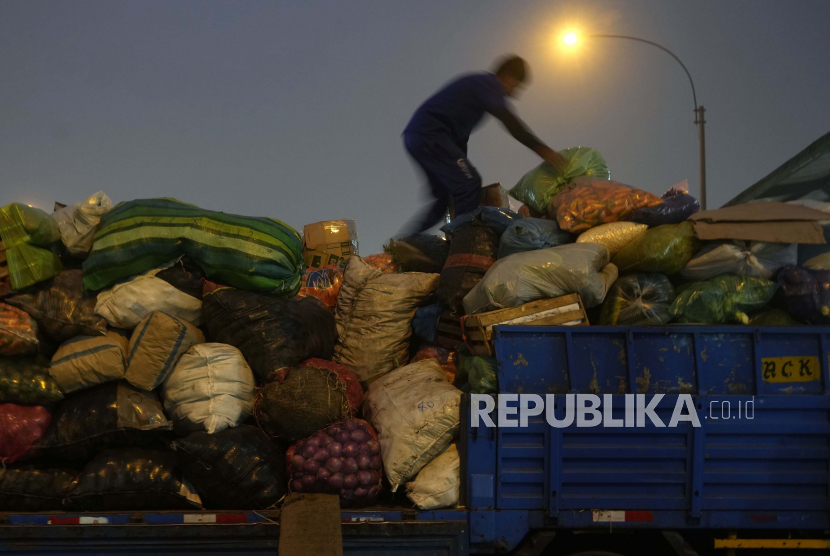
[664, 249]
[26, 380]
[480, 371]
[721, 300]
[537, 187]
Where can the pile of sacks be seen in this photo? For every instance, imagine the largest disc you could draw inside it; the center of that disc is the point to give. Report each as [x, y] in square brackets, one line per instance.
[145, 366]
[665, 273]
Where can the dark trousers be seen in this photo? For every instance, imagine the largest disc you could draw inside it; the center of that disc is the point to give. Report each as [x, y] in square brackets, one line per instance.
[449, 175]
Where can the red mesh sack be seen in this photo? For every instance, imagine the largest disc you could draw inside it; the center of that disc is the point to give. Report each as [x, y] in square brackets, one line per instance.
[20, 427]
[383, 262]
[585, 204]
[354, 391]
[18, 331]
[342, 459]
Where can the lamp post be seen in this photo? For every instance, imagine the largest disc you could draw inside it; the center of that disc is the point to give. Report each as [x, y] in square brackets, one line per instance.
[571, 38]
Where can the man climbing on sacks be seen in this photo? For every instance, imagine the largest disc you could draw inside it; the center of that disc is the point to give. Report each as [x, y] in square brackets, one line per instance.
[436, 137]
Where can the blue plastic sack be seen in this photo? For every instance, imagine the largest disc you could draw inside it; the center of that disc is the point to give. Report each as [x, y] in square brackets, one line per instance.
[425, 322]
[675, 208]
[497, 219]
[529, 234]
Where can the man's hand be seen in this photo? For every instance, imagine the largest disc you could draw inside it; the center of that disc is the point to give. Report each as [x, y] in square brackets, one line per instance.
[553, 158]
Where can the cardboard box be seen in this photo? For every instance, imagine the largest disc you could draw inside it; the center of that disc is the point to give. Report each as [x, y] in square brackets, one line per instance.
[329, 242]
[769, 221]
[477, 330]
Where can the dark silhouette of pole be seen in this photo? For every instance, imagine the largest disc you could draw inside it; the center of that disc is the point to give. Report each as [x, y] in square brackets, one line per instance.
[699, 110]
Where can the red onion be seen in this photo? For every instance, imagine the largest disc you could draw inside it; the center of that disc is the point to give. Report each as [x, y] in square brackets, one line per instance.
[342, 437]
[350, 465]
[309, 451]
[334, 464]
[351, 449]
[311, 466]
[350, 481]
[336, 481]
[343, 459]
[364, 478]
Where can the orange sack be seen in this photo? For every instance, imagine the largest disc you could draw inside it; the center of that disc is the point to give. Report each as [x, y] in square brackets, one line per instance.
[585, 204]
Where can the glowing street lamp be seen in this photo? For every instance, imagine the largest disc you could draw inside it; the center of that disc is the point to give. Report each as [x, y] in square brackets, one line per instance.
[572, 38]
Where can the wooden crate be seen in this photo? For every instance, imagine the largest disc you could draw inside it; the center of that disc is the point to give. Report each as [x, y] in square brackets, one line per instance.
[477, 330]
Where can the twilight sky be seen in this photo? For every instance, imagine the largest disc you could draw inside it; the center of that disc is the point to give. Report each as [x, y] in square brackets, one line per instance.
[294, 110]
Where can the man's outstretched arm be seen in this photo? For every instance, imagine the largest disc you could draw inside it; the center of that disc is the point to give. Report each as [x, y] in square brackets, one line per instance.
[523, 135]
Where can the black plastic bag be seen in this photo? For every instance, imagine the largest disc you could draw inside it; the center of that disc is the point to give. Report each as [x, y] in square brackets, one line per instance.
[236, 469]
[433, 254]
[26, 380]
[110, 415]
[638, 300]
[185, 276]
[29, 489]
[495, 218]
[271, 332]
[473, 251]
[61, 307]
[806, 293]
[132, 479]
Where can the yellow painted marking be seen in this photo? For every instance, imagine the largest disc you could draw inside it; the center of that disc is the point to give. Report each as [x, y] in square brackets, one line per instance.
[790, 369]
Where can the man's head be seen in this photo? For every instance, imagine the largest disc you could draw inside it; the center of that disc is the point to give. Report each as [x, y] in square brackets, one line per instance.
[513, 73]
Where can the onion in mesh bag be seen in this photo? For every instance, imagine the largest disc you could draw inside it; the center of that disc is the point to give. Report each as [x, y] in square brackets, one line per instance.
[343, 459]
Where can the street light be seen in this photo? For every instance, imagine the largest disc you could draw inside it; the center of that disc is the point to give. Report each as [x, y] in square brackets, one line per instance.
[572, 38]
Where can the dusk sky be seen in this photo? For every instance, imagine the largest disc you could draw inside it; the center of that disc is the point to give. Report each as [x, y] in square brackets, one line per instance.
[294, 110]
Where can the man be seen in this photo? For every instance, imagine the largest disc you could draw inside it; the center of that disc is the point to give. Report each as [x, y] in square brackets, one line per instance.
[436, 137]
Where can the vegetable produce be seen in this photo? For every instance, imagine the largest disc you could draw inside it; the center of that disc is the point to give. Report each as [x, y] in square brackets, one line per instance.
[20, 427]
[537, 187]
[807, 293]
[18, 331]
[343, 459]
[638, 300]
[589, 204]
[26, 380]
[313, 396]
[721, 300]
[676, 207]
[614, 235]
[662, 249]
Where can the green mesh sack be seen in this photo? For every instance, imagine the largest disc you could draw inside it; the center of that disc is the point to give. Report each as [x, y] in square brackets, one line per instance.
[24, 230]
[664, 249]
[723, 299]
[537, 187]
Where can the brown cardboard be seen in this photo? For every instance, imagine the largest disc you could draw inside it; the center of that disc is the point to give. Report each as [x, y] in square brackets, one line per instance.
[761, 211]
[769, 221]
[327, 242]
[310, 525]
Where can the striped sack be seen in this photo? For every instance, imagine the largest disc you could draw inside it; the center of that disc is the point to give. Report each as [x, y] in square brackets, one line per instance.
[85, 361]
[155, 347]
[260, 254]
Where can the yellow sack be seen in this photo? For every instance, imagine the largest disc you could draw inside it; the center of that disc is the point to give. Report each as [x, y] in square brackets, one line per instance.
[614, 235]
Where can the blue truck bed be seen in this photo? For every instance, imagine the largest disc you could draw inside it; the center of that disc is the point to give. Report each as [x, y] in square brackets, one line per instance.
[764, 469]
